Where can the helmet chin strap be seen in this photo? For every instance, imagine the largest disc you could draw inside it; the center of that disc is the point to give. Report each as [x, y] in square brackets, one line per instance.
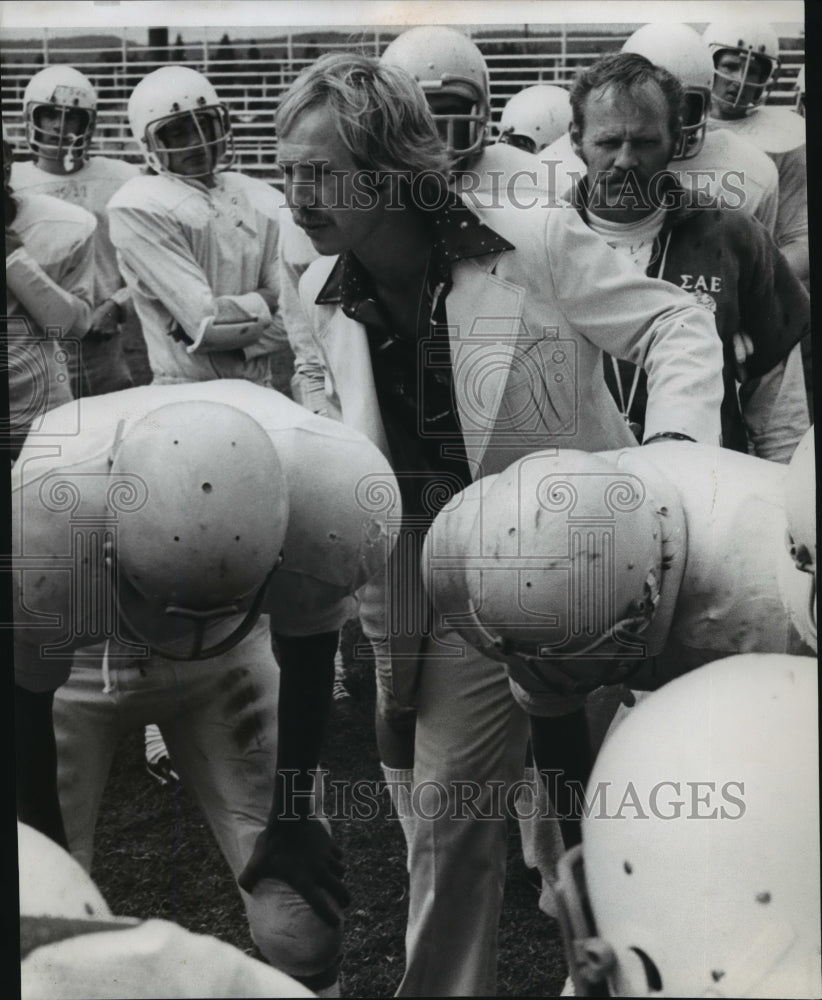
[199, 620]
[624, 633]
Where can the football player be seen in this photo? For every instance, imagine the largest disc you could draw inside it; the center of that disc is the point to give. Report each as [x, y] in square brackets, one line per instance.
[49, 293]
[60, 116]
[582, 571]
[163, 536]
[746, 64]
[196, 241]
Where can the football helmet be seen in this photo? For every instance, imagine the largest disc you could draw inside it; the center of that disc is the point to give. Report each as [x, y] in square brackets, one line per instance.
[202, 542]
[698, 872]
[680, 50]
[451, 71]
[750, 40]
[570, 569]
[176, 99]
[52, 882]
[64, 90]
[535, 117]
[800, 513]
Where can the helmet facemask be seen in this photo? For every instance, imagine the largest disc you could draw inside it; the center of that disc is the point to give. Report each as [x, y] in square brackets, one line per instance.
[751, 91]
[517, 139]
[463, 129]
[67, 140]
[214, 142]
[696, 106]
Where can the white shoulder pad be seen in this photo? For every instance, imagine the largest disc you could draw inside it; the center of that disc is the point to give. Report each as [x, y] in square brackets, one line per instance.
[776, 130]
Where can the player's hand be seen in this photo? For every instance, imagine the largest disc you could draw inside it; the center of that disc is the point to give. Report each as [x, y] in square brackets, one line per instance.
[178, 333]
[13, 242]
[302, 854]
[105, 318]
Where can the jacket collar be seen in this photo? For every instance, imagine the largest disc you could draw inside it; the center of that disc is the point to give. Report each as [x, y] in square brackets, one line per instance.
[456, 234]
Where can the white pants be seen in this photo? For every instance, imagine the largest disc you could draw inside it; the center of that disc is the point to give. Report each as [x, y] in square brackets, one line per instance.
[218, 718]
[470, 747]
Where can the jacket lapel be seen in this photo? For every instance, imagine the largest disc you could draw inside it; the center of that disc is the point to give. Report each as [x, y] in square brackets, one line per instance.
[346, 346]
[483, 310]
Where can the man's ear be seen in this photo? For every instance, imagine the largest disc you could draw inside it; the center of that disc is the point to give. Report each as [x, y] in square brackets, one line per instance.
[575, 133]
[677, 135]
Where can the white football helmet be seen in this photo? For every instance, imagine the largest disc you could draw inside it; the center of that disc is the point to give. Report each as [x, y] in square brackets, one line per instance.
[52, 882]
[447, 64]
[569, 569]
[800, 513]
[535, 117]
[177, 95]
[205, 519]
[750, 40]
[65, 90]
[698, 872]
[680, 50]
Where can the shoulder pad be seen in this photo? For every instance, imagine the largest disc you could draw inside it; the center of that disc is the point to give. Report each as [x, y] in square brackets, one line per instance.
[776, 130]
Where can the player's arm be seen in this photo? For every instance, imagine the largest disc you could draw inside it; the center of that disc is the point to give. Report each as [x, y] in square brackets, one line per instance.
[643, 320]
[774, 311]
[275, 338]
[308, 384]
[63, 302]
[791, 232]
[153, 253]
[295, 846]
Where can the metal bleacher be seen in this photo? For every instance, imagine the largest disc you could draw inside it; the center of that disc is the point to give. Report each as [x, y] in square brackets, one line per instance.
[250, 73]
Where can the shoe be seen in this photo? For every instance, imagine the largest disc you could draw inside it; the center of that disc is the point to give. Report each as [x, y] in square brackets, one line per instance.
[162, 771]
[340, 692]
